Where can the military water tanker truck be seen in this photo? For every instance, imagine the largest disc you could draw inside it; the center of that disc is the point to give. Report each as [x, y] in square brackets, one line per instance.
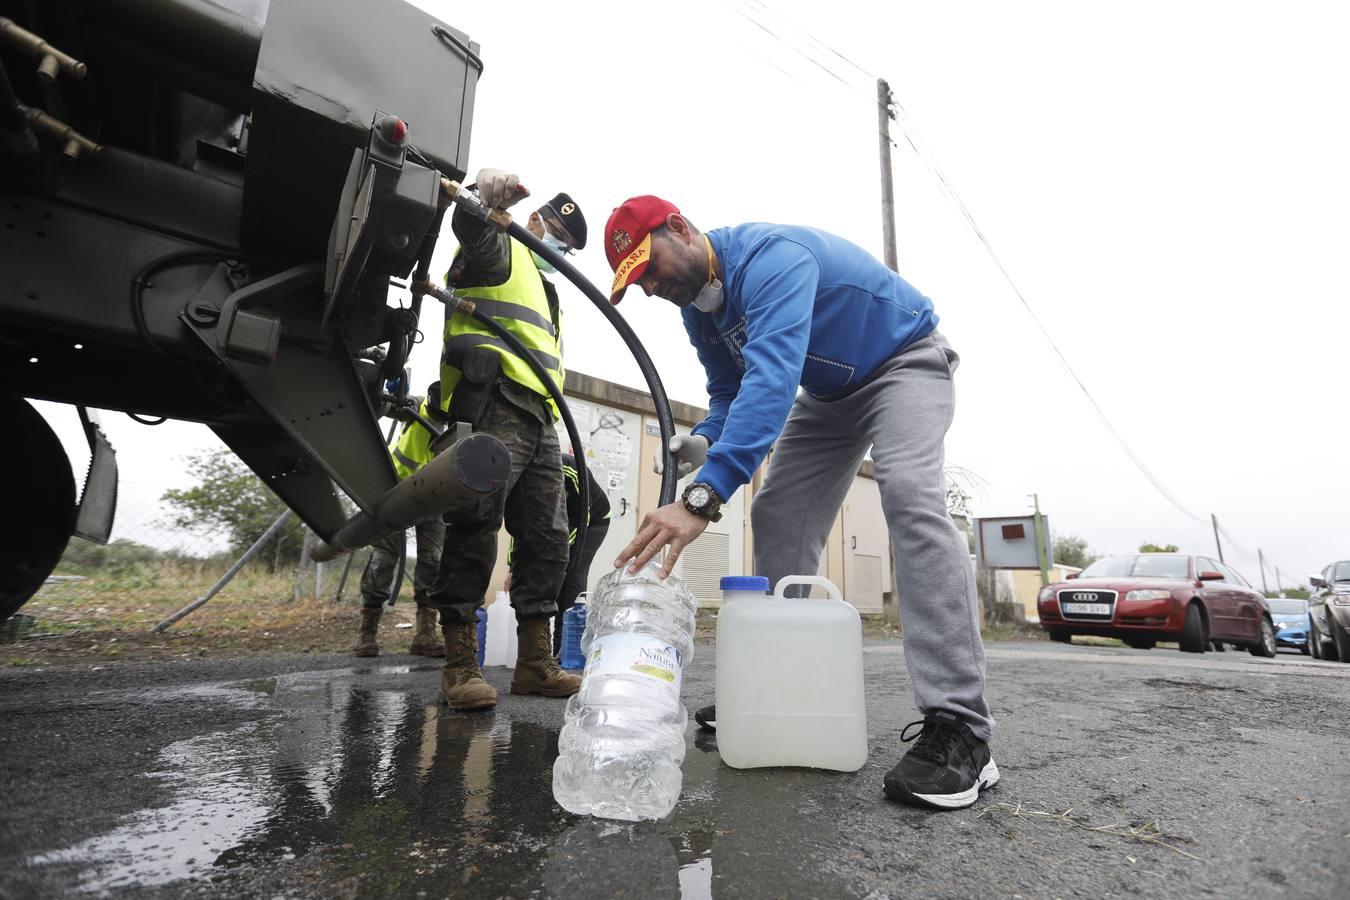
[202, 207]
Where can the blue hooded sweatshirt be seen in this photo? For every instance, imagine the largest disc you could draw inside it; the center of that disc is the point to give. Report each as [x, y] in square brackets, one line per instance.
[801, 307]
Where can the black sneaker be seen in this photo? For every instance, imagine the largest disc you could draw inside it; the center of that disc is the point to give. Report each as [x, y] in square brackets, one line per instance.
[707, 718]
[947, 768]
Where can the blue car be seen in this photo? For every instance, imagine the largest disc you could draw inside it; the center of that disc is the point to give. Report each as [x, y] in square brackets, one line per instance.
[1291, 620]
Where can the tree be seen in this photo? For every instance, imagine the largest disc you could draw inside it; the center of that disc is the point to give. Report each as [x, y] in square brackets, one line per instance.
[1158, 548]
[1072, 550]
[229, 498]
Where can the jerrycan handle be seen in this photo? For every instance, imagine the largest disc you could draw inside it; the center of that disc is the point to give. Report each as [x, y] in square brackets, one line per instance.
[813, 580]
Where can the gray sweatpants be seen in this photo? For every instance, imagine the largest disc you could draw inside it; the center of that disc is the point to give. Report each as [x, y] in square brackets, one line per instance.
[902, 414]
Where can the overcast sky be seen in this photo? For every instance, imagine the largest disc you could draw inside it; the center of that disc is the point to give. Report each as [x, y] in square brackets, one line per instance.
[1165, 182]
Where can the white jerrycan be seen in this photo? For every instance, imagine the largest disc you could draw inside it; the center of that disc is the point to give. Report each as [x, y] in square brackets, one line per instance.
[501, 644]
[790, 680]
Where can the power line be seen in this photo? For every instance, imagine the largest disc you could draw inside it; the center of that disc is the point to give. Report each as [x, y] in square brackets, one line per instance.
[814, 40]
[762, 26]
[926, 157]
[898, 113]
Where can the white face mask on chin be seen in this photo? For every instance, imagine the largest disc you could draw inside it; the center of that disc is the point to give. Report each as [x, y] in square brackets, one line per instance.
[709, 298]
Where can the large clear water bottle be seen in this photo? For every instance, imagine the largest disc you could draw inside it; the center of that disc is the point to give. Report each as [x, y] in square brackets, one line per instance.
[622, 741]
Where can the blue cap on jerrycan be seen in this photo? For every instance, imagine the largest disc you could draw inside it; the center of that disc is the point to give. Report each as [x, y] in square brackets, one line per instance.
[745, 583]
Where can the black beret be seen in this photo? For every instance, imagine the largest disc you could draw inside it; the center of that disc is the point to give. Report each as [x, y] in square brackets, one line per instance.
[567, 212]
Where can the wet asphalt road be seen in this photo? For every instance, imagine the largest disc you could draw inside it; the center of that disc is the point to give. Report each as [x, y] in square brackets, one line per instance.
[1124, 772]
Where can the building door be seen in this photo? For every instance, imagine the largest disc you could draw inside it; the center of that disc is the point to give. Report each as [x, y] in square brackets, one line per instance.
[866, 547]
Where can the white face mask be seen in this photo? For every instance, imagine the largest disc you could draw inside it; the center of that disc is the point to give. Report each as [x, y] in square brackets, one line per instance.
[709, 298]
[555, 243]
[544, 265]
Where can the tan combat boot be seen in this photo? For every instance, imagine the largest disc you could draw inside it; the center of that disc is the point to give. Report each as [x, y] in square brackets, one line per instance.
[426, 642]
[365, 641]
[462, 684]
[537, 672]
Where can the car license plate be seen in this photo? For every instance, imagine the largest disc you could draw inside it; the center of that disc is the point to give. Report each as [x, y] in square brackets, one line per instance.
[1087, 609]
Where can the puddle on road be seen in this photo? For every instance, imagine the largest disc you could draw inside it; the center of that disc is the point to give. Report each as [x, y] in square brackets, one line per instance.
[351, 774]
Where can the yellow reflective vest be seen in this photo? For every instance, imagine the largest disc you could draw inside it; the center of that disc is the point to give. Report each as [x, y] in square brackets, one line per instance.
[519, 304]
[412, 450]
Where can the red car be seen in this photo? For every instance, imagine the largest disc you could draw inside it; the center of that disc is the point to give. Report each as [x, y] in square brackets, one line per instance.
[1149, 597]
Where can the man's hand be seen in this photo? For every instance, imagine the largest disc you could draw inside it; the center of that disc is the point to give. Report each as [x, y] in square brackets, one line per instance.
[673, 525]
[690, 451]
[499, 189]
[506, 585]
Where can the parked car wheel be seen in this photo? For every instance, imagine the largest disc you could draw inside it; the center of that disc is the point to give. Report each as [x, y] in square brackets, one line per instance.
[1193, 632]
[1061, 636]
[1140, 643]
[1266, 646]
[1340, 641]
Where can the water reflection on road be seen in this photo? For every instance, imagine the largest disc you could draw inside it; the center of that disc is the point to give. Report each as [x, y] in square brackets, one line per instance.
[353, 776]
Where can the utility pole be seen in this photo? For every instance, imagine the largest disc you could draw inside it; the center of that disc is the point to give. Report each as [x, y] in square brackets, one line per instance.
[1215, 521]
[1261, 561]
[1042, 541]
[884, 117]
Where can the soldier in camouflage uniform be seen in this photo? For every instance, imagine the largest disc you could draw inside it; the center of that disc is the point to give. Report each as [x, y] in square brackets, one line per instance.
[377, 582]
[409, 453]
[484, 383]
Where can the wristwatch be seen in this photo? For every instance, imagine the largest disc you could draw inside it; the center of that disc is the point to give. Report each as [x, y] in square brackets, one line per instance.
[701, 500]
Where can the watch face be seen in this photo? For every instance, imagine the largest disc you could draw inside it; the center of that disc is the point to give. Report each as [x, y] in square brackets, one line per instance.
[698, 496]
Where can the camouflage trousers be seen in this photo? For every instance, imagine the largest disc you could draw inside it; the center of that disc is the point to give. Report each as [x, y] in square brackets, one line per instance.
[531, 504]
[378, 577]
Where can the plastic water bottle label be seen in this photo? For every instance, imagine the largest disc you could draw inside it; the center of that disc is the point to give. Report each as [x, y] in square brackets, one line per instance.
[637, 654]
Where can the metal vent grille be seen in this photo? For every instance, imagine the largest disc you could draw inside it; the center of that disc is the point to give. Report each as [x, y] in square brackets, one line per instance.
[705, 561]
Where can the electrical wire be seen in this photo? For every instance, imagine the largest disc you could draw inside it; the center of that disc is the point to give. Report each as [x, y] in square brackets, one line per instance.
[142, 280]
[897, 113]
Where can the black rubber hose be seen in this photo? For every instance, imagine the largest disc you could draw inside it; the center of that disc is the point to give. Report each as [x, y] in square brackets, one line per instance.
[555, 391]
[403, 544]
[669, 477]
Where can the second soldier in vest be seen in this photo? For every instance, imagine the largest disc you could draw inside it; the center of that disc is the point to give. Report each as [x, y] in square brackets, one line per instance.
[486, 385]
[410, 452]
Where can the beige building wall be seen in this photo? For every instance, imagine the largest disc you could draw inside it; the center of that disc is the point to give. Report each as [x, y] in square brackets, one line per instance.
[1027, 586]
[622, 437]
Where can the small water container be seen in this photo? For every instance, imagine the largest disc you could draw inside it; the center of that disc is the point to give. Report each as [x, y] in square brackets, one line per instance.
[482, 617]
[789, 677]
[501, 643]
[573, 624]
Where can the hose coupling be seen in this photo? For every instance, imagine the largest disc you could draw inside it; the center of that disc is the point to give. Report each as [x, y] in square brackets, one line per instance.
[454, 192]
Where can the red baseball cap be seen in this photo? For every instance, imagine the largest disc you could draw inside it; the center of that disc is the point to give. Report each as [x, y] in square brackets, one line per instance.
[628, 239]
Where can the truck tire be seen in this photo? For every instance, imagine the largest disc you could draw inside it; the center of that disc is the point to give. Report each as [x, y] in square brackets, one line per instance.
[41, 484]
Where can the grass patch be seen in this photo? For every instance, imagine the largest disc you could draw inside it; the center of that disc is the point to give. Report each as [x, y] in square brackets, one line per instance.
[109, 615]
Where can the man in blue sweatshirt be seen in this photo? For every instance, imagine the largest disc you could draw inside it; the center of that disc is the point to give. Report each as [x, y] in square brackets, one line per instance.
[770, 308]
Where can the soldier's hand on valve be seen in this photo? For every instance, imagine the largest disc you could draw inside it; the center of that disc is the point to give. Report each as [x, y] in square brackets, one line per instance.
[499, 189]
